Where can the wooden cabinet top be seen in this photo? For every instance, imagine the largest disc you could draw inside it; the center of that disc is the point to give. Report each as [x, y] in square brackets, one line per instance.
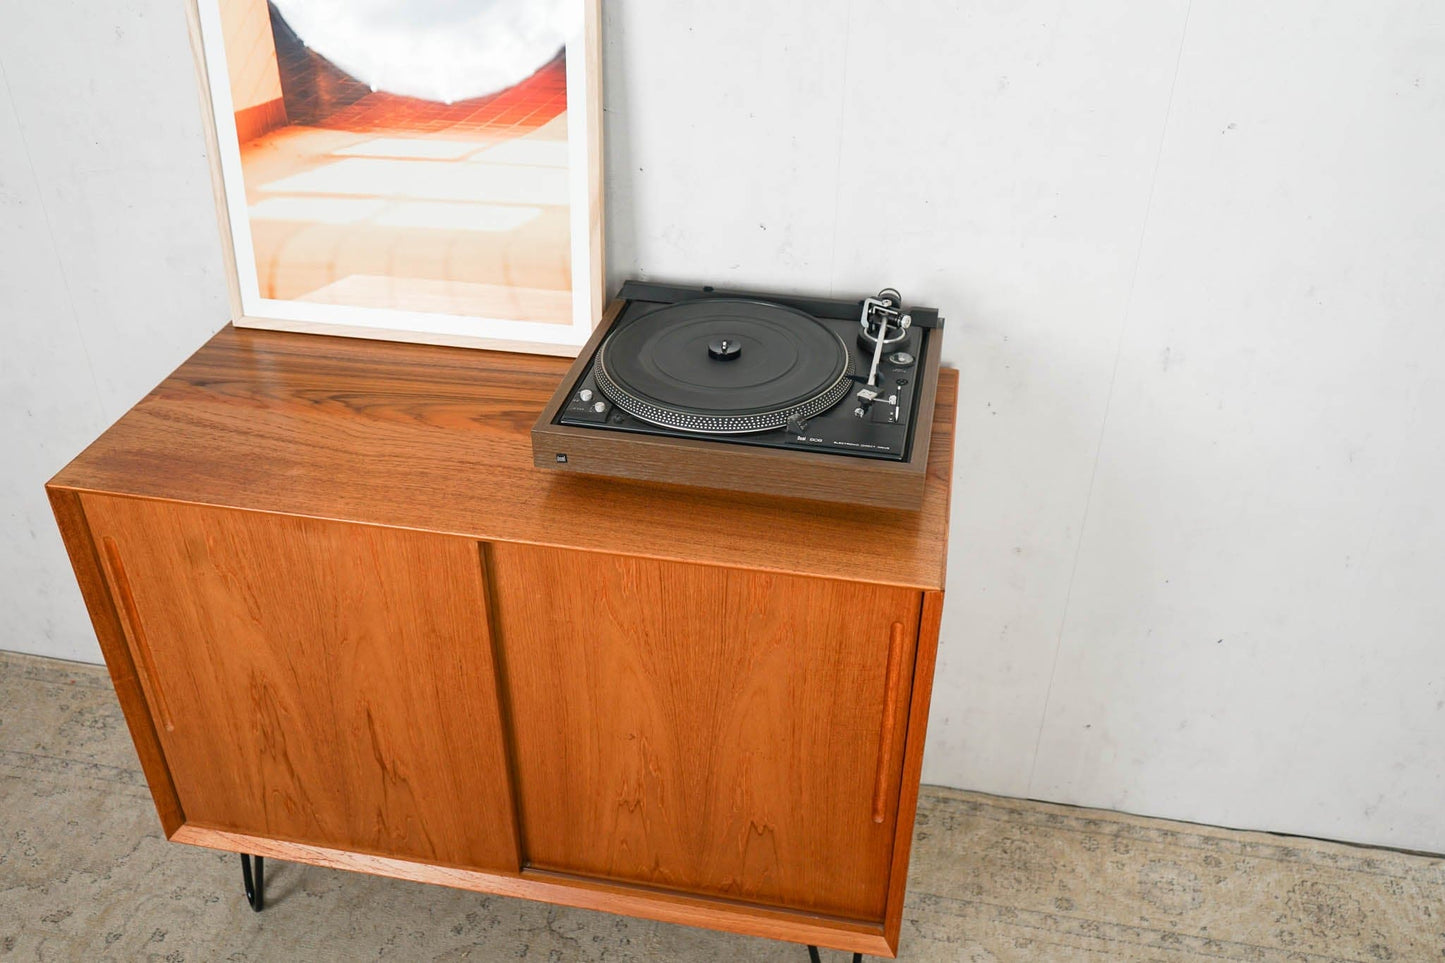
[437, 439]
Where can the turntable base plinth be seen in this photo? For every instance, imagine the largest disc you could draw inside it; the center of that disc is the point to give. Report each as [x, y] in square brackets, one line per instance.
[350, 624]
[747, 392]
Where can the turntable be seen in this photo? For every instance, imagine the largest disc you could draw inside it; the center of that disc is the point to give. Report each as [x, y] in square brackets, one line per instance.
[807, 397]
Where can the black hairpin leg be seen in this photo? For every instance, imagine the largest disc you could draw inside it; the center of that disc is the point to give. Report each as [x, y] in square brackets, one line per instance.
[813, 956]
[255, 887]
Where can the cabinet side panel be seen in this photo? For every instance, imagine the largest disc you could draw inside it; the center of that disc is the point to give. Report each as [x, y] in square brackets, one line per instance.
[932, 613]
[325, 683]
[74, 530]
[704, 729]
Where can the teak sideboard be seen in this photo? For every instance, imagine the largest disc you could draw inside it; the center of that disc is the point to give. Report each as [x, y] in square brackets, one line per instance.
[350, 624]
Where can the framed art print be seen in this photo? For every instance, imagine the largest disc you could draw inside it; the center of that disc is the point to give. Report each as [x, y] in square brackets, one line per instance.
[419, 170]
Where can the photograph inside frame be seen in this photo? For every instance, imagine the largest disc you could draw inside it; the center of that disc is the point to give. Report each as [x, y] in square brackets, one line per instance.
[403, 157]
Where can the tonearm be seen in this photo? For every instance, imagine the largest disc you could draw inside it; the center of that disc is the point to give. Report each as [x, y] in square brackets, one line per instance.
[883, 323]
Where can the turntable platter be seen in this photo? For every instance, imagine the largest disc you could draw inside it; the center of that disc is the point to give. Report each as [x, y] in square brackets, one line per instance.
[723, 365]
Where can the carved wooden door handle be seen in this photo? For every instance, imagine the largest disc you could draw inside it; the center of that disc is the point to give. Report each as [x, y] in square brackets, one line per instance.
[890, 717]
[121, 581]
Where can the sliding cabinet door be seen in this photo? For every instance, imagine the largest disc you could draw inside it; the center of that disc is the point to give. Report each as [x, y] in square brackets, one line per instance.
[704, 729]
[314, 681]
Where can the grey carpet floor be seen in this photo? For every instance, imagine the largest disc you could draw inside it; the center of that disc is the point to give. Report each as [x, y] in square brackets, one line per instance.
[86, 875]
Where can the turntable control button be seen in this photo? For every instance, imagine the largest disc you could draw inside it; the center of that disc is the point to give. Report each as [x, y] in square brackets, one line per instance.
[901, 358]
[797, 425]
[585, 394]
[600, 407]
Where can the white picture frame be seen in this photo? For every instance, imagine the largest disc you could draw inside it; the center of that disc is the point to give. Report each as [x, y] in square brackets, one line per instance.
[559, 334]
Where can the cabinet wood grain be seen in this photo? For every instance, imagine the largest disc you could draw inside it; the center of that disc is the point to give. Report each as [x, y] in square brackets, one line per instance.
[438, 439]
[705, 729]
[350, 624]
[320, 682]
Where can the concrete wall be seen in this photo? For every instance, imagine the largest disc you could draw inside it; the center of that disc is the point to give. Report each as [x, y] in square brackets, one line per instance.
[1191, 259]
[110, 264]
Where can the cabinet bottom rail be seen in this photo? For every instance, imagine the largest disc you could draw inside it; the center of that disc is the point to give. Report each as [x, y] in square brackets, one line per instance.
[253, 881]
[560, 889]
